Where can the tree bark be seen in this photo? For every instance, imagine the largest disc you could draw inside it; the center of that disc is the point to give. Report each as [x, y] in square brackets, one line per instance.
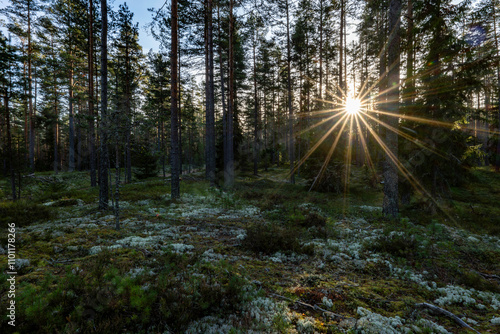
[93, 182]
[390, 205]
[103, 129]
[256, 135]
[210, 150]
[341, 49]
[497, 160]
[229, 152]
[223, 93]
[71, 164]
[291, 143]
[174, 117]
[30, 99]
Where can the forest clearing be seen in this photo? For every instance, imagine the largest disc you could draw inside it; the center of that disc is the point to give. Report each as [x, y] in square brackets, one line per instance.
[224, 262]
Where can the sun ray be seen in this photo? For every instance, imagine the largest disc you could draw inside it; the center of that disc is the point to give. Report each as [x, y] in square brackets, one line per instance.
[329, 156]
[365, 146]
[405, 172]
[348, 159]
[414, 140]
[323, 121]
[312, 149]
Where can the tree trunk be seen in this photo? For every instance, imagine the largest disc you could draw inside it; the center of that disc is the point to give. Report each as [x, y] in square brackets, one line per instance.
[256, 111]
[103, 129]
[30, 100]
[9, 147]
[291, 144]
[210, 100]
[93, 182]
[320, 95]
[390, 202]
[229, 152]
[174, 117]
[223, 94]
[497, 160]
[71, 166]
[341, 49]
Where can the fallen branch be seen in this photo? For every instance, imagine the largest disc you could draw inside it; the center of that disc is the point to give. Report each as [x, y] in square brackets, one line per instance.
[314, 307]
[488, 276]
[450, 315]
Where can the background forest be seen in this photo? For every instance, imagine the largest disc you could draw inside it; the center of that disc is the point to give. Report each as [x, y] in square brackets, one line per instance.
[277, 166]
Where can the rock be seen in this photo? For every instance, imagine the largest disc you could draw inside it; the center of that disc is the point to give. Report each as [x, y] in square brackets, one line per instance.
[347, 324]
[22, 263]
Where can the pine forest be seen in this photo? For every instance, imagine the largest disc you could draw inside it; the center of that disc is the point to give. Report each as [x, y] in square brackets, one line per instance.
[250, 166]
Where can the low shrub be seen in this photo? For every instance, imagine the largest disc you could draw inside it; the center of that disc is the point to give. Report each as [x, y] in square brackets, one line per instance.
[22, 213]
[271, 238]
[397, 244]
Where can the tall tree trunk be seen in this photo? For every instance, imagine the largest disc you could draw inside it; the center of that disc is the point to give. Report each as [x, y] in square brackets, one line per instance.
[30, 99]
[210, 150]
[223, 92]
[103, 128]
[229, 151]
[93, 181]
[71, 166]
[390, 203]
[79, 151]
[320, 95]
[256, 135]
[497, 161]
[56, 116]
[341, 48]
[291, 143]
[9, 146]
[174, 117]
[409, 98]
[179, 112]
[128, 112]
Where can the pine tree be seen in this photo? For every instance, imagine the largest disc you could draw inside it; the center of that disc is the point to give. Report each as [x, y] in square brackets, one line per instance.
[390, 204]
[174, 133]
[103, 129]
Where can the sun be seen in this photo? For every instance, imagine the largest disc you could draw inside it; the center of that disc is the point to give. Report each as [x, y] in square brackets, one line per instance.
[352, 106]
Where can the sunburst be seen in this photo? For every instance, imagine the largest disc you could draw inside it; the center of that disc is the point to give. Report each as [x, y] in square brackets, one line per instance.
[358, 116]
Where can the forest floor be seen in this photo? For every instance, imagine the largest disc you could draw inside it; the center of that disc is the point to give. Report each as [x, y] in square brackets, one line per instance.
[267, 257]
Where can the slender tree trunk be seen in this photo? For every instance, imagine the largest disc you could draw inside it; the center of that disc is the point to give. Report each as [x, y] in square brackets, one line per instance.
[256, 147]
[291, 142]
[79, 151]
[497, 161]
[117, 183]
[320, 95]
[229, 161]
[174, 117]
[56, 116]
[390, 204]
[223, 93]
[103, 129]
[210, 150]
[30, 99]
[179, 112]
[341, 49]
[93, 181]
[71, 157]
[9, 146]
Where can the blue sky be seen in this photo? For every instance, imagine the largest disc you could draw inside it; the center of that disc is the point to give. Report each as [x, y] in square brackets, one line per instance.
[143, 16]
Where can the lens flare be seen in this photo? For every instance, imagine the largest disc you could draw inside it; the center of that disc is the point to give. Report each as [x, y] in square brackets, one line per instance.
[353, 106]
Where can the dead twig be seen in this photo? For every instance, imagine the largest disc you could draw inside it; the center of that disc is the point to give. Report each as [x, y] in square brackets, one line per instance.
[488, 276]
[314, 307]
[448, 314]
